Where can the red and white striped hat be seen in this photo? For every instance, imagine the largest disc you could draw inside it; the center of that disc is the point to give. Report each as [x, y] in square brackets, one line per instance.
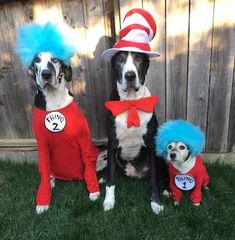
[138, 29]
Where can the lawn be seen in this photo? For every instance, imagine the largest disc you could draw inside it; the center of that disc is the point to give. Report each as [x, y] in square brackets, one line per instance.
[73, 216]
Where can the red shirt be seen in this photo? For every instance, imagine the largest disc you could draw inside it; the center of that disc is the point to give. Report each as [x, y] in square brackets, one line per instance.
[198, 173]
[65, 149]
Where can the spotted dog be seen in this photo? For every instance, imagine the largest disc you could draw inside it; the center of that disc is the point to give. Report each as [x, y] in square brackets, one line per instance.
[61, 130]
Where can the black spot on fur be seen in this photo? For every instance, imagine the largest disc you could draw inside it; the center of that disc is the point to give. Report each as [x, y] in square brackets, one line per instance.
[141, 62]
[40, 100]
[118, 61]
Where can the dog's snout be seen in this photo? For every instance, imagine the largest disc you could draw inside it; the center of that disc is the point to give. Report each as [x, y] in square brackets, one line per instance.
[46, 74]
[130, 76]
[172, 155]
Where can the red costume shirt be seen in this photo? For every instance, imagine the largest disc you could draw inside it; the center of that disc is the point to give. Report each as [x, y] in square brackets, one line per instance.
[65, 149]
[196, 178]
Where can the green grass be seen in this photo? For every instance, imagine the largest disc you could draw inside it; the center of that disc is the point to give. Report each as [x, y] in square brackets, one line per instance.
[73, 216]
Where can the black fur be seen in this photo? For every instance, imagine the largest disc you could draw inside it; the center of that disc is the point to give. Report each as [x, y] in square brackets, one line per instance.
[147, 154]
[141, 62]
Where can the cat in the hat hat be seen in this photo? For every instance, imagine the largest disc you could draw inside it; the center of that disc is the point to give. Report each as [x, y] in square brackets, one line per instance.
[132, 123]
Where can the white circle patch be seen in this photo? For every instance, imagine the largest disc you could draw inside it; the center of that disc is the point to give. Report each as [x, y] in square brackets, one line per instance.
[55, 121]
[184, 181]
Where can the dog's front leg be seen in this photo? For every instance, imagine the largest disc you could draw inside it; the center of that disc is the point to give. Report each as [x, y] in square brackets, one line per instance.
[155, 202]
[109, 200]
[43, 197]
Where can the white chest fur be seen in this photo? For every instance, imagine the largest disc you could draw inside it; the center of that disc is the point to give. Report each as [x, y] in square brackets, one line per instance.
[131, 139]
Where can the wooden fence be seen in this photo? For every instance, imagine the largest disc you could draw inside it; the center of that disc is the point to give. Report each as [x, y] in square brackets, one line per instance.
[194, 76]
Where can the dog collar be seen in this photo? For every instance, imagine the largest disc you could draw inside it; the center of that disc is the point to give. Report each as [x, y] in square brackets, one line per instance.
[144, 104]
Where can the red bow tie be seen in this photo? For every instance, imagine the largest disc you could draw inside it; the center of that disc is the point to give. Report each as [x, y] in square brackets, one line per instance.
[144, 104]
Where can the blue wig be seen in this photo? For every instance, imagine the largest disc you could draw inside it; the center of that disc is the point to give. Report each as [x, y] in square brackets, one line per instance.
[179, 131]
[34, 38]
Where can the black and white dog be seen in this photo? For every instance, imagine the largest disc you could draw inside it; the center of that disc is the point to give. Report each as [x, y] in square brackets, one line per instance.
[51, 75]
[132, 148]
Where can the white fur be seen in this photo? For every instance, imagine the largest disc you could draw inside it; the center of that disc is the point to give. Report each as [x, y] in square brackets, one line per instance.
[101, 161]
[102, 180]
[166, 193]
[157, 208]
[129, 66]
[41, 208]
[180, 153]
[52, 182]
[94, 196]
[109, 200]
[131, 139]
[176, 203]
[185, 166]
[131, 171]
[57, 99]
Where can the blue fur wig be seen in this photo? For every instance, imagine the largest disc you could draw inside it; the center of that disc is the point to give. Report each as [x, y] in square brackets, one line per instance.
[34, 38]
[179, 131]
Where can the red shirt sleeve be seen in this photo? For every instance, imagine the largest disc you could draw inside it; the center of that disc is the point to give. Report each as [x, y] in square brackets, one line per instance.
[202, 179]
[89, 155]
[44, 191]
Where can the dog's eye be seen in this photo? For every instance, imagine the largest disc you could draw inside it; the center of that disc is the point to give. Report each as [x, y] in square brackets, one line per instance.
[169, 147]
[54, 60]
[37, 59]
[138, 58]
[121, 59]
[182, 147]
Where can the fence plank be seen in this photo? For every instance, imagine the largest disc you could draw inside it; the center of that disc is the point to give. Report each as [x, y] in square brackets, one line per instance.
[221, 75]
[206, 98]
[15, 99]
[201, 21]
[156, 74]
[96, 41]
[126, 5]
[176, 58]
[231, 131]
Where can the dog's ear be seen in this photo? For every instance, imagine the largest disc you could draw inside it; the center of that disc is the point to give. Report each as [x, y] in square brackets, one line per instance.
[68, 73]
[146, 65]
[31, 70]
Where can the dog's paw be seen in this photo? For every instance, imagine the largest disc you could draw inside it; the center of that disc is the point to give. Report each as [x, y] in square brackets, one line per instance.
[101, 162]
[166, 193]
[41, 209]
[197, 204]
[157, 208]
[108, 204]
[52, 182]
[94, 196]
[109, 200]
[176, 203]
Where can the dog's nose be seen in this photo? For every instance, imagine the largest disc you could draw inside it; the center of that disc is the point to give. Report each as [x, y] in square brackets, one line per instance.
[46, 74]
[130, 76]
[172, 155]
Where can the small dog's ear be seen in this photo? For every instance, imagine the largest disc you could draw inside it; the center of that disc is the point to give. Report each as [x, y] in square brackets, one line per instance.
[68, 73]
